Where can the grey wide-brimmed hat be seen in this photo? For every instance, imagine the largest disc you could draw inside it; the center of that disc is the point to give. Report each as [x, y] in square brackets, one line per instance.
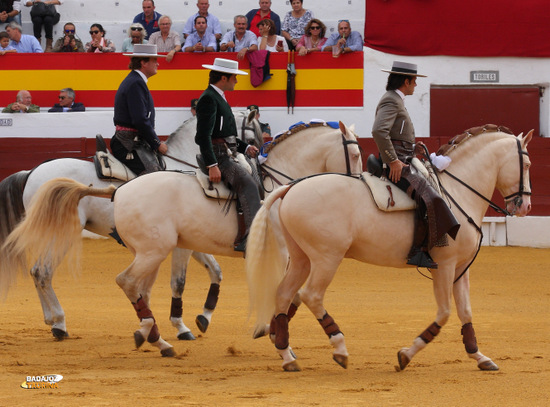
[403, 68]
[145, 51]
[226, 66]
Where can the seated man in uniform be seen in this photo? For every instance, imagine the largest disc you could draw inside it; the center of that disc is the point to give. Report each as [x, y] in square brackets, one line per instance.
[135, 141]
[216, 133]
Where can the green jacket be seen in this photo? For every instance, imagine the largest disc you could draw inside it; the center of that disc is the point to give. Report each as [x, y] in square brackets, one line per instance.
[32, 109]
[214, 120]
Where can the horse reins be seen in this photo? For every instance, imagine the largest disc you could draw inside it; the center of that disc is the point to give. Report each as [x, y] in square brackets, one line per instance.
[345, 144]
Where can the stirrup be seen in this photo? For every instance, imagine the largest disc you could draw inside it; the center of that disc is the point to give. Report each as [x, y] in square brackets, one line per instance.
[241, 246]
[422, 259]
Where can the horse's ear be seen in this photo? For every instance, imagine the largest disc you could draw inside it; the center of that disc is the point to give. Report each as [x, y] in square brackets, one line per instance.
[252, 115]
[352, 128]
[527, 138]
[342, 128]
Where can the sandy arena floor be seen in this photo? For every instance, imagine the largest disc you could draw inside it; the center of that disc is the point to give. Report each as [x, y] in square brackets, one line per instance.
[379, 310]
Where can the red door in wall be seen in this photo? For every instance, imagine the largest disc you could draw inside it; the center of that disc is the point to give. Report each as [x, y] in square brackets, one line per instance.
[455, 109]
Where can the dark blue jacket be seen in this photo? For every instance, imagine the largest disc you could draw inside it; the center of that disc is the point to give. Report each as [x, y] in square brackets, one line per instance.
[134, 108]
[75, 107]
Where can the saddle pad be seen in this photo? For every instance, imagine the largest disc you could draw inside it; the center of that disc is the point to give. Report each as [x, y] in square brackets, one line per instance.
[387, 196]
[219, 190]
[108, 167]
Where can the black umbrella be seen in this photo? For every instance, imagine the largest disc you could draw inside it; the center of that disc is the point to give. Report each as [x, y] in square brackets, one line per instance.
[290, 82]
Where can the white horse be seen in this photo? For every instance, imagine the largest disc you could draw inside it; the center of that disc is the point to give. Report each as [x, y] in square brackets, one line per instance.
[329, 217]
[158, 212]
[96, 215]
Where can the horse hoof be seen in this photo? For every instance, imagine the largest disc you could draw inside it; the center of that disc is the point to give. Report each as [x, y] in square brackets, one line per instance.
[488, 365]
[341, 360]
[168, 352]
[59, 334]
[138, 339]
[292, 367]
[186, 336]
[258, 333]
[403, 360]
[202, 323]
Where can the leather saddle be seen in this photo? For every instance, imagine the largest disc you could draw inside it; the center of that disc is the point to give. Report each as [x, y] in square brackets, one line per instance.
[106, 164]
[387, 196]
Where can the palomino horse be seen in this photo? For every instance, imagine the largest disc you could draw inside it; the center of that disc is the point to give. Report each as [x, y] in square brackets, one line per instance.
[160, 211]
[96, 215]
[329, 217]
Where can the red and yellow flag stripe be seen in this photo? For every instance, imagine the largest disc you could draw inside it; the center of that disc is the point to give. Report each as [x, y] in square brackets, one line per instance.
[320, 81]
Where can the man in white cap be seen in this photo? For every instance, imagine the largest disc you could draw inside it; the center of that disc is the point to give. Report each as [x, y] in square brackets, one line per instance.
[216, 134]
[135, 142]
[393, 133]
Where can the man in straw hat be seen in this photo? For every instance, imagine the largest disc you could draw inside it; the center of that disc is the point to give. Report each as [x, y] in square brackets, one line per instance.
[135, 142]
[393, 133]
[216, 134]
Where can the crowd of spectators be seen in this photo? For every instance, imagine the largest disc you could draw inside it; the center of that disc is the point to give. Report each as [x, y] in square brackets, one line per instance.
[261, 28]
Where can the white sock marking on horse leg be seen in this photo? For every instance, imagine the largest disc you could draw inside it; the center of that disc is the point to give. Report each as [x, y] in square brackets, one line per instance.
[179, 325]
[146, 325]
[207, 313]
[479, 357]
[417, 346]
[286, 355]
[161, 344]
[339, 344]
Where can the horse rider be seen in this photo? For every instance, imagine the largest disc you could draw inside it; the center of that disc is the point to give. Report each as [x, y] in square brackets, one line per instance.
[393, 133]
[135, 142]
[216, 137]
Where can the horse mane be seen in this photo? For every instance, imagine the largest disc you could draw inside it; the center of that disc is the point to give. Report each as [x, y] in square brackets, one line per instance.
[471, 132]
[293, 130]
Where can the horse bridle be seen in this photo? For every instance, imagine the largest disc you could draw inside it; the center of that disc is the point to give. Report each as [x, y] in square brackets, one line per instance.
[264, 167]
[516, 197]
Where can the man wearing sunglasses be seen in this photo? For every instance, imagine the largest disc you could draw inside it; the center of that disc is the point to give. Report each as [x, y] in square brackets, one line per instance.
[68, 29]
[67, 103]
[345, 39]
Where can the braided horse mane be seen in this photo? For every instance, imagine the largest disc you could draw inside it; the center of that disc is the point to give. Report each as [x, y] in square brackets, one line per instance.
[296, 129]
[474, 131]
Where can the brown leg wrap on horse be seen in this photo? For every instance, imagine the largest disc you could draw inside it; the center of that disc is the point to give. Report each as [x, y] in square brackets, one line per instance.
[469, 338]
[281, 331]
[292, 310]
[176, 309]
[154, 335]
[331, 328]
[142, 309]
[212, 297]
[430, 333]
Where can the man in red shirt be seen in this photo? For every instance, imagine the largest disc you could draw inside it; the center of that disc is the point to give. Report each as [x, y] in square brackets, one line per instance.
[255, 15]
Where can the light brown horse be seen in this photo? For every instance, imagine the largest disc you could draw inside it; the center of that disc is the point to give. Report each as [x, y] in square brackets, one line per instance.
[329, 217]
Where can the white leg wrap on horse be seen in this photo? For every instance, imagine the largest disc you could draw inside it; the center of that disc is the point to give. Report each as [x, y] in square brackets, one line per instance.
[207, 313]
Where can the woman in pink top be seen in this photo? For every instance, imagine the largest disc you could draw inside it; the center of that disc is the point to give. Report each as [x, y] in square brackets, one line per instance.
[314, 37]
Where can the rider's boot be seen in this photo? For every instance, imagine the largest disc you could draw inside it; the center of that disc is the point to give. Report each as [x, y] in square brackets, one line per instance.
[419, 255]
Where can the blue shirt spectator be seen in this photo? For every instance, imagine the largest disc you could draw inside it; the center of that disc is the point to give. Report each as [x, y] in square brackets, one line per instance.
[149, 18]
[345, 38]
[214, 26]
[23, 43]
[201, 40]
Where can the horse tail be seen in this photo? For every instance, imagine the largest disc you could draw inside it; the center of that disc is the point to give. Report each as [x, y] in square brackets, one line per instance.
[12, 208]
[265, 262]
[49, 231]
